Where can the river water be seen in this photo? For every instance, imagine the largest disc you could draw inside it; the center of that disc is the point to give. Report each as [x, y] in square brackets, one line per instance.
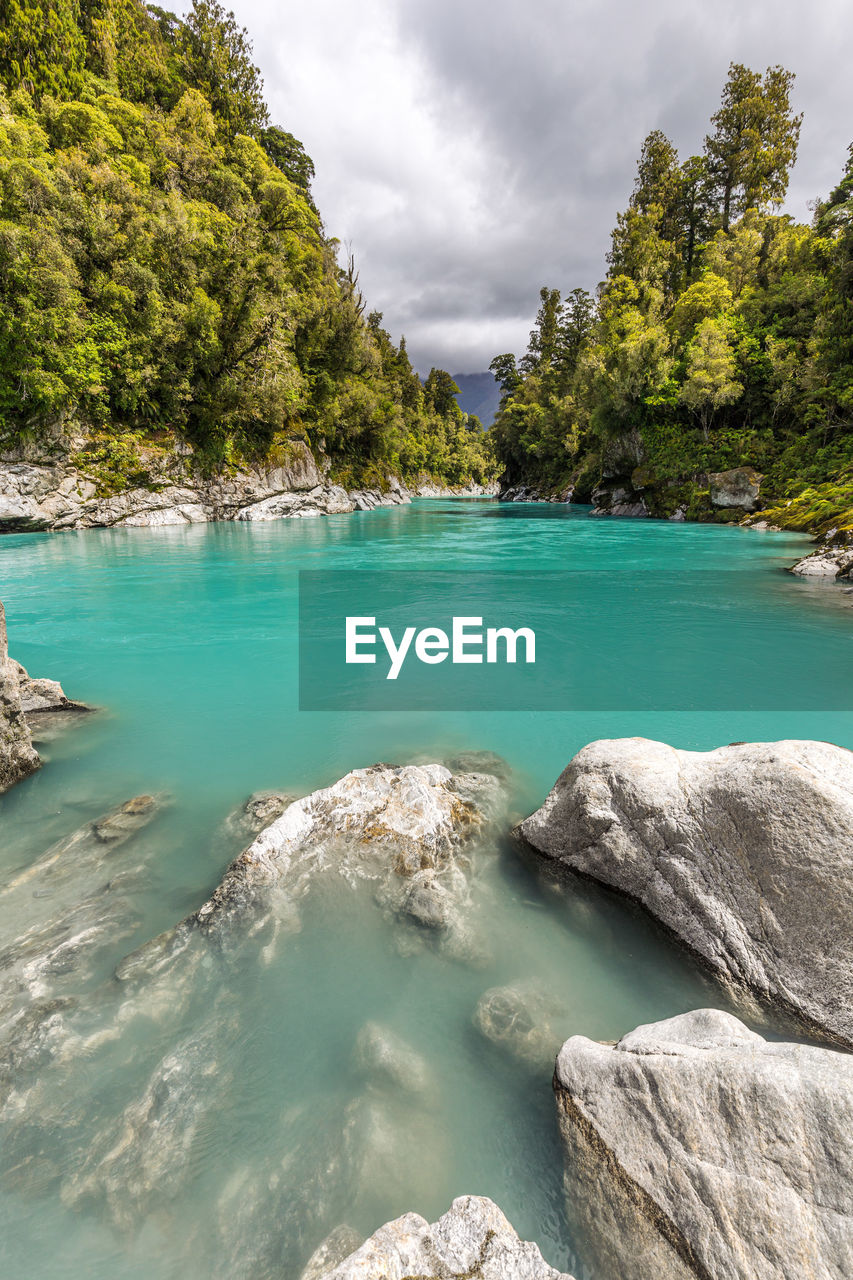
[186, 638]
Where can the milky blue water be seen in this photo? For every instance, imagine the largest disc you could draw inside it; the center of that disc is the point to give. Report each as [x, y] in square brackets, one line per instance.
[186, 638]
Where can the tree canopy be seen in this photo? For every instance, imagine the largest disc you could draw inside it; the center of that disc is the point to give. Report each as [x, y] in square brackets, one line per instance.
[721, 336]
[164, 269]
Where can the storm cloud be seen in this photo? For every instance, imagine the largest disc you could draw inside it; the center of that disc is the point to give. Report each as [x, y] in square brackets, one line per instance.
[470, 151]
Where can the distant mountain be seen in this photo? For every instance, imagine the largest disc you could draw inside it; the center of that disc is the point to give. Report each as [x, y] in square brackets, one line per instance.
[478, 393]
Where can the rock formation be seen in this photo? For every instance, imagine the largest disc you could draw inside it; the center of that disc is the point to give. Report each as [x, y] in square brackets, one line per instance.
[382, 823]
[696, 1149]
[827, 562]
[59, 495]
[472, 1239]
[744, 853]
[18, 756]
[20, 697]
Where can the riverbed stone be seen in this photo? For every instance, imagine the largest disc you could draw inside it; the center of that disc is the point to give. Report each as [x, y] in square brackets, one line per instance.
[337, 1246]
[139, 1161]
[745, 853]
[696, 1149]
[261, 808]
[386, 1060]
[524, 1020]
[472, 1239]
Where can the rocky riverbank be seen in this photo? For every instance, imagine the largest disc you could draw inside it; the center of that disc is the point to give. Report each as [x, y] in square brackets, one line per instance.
[831, 563]
[66, 493]
[70, 486]
[22, 700]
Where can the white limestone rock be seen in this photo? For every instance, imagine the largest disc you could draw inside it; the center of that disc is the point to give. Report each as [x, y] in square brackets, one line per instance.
[744, 853]
[472, 1239]
[695, 1148]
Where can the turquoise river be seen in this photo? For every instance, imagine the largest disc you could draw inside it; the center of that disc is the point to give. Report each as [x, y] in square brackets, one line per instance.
[186, 639]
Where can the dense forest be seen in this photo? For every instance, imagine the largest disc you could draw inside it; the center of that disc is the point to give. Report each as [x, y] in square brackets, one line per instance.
[722, 336]
[164, 271]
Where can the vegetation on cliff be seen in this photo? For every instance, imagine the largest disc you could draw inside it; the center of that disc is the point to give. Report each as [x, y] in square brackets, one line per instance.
[164, 270]
[721, 337]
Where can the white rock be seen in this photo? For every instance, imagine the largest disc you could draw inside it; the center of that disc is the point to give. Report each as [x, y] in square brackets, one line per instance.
[694, 1148]
[830, 563]
[472, 1239]
[745, 853]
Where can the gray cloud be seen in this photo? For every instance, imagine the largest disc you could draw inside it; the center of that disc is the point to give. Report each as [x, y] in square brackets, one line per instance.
[471, 151]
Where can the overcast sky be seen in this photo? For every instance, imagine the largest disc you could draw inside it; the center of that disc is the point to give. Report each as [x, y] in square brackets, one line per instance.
[474, 150]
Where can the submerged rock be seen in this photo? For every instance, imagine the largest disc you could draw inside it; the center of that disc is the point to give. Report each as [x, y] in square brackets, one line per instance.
[261, 808]
[330, 1162]
[68, 859]
[745, 853]
[386, 1060]
[472, 1239]
[373, 823]
[337, 1246]
[428, 902]
[520, 1020]
[141, 1161]
[480, 762]
[64, 949]
[694, 1148]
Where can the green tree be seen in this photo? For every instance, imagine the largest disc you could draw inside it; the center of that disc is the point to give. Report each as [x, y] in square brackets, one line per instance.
[545, 335]
[577, 316]
[658, 183]
[440, 392]
[42, 48]
[506, 374]
[217, 56]
[289, 155]
[711, 380]
[754, 142]
[695, 210]
[710, 295]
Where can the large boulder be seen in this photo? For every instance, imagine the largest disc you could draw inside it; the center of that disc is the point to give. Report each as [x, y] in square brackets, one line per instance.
[694, 1148]
[736, 489]
[373, 823]
[744, 853]
[472, 1239]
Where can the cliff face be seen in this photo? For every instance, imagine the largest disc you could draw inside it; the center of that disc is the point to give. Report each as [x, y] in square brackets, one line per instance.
[18, 756]
[74, 490]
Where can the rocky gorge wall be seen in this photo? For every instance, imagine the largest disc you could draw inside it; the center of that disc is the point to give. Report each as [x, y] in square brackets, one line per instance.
[40, 492]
